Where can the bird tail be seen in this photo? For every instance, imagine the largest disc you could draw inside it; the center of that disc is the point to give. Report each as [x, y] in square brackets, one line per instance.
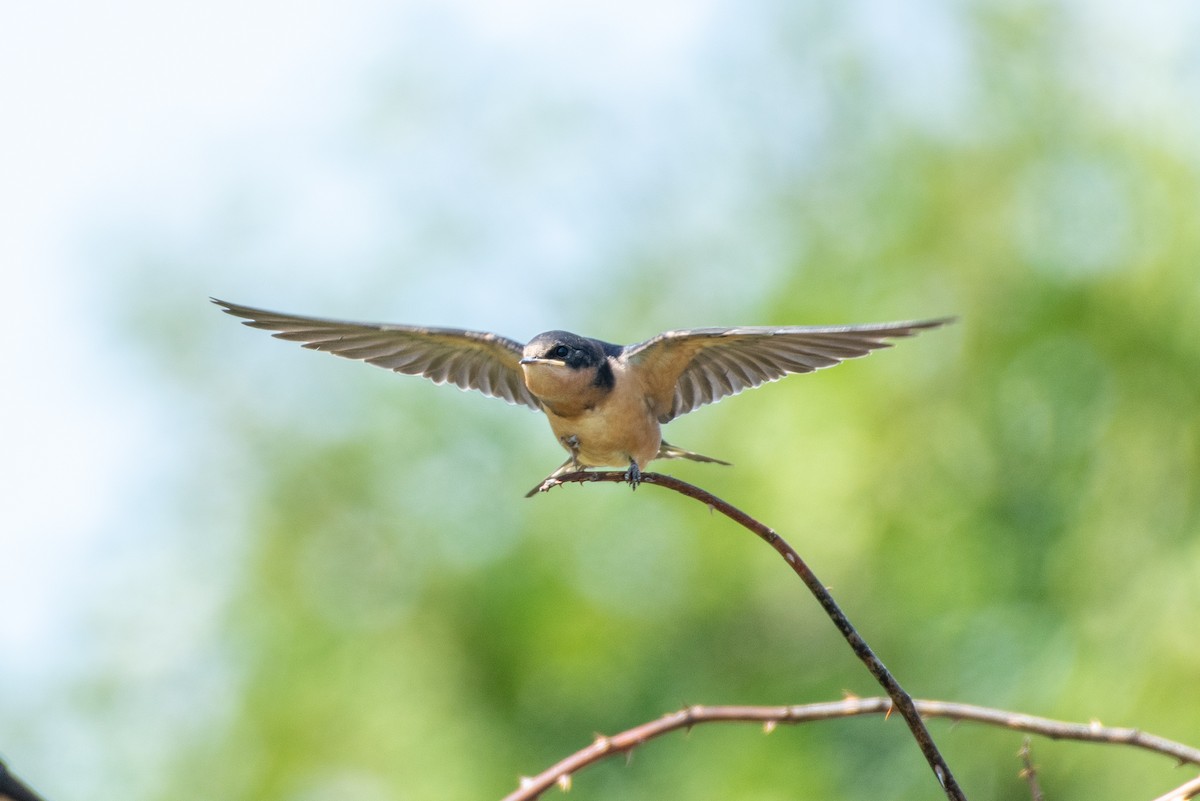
[668, 451]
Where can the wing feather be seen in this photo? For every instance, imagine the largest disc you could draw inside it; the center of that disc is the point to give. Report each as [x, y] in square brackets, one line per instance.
[477, 360]
[687, 369]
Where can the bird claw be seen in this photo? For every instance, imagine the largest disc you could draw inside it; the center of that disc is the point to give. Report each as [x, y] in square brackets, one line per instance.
[633, 475]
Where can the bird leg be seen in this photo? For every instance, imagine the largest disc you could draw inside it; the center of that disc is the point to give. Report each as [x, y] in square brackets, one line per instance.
[571, 443]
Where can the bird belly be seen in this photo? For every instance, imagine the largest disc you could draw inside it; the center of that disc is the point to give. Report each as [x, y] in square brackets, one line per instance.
[610, 434]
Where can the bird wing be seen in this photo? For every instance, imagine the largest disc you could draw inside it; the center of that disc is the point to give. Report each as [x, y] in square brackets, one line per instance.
[477, 360]
[684, 370]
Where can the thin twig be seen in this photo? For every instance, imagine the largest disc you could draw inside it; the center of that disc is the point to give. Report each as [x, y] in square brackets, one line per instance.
[903, 701]
[1029, 772]
[1183, 792]
[771, 716]
[1092, 732]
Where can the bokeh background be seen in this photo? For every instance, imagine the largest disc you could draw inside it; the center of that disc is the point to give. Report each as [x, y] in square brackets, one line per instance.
[232, 568]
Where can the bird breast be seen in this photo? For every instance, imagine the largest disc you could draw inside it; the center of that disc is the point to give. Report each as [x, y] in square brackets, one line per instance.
[609, 426]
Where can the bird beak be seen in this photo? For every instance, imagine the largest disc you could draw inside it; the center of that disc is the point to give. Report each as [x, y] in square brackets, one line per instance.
[531, 360]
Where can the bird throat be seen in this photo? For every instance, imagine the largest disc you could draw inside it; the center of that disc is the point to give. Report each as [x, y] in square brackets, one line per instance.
[568, 392]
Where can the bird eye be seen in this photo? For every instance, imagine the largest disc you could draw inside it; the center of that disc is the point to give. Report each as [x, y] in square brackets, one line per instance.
[561, 351]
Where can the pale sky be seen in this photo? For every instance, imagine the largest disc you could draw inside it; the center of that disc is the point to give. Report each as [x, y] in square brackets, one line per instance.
[111, 118]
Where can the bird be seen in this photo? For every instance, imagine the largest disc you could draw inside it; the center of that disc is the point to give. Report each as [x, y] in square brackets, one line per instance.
[606, 403]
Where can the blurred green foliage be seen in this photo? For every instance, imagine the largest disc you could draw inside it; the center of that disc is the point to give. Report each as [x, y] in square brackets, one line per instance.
[1009, 509]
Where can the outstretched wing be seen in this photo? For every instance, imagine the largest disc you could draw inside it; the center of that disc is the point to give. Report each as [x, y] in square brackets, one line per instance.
[485, 362]
[684, 370]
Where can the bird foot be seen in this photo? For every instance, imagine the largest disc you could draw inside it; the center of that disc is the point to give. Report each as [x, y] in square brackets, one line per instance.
[633, 475]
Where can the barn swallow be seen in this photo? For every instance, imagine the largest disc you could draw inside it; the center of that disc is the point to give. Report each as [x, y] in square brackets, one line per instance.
[606, 403]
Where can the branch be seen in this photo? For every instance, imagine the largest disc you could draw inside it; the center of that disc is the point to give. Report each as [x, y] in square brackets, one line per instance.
[771, 716]
[13, 789]
[1029, 772]
[902, 700]
[1183, 792]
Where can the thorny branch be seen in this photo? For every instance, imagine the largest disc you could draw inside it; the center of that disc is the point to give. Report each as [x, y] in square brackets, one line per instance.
[771, 716]
[1029, 772]
[901, 699]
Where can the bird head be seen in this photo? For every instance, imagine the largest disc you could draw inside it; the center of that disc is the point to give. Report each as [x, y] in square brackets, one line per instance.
[563, 349]
[559, 364]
